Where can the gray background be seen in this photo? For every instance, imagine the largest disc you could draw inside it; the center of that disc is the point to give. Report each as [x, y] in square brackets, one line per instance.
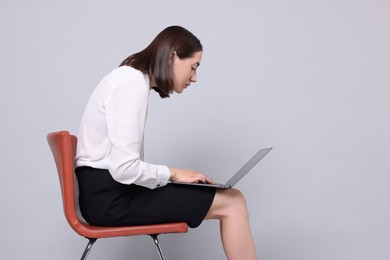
[310, 78]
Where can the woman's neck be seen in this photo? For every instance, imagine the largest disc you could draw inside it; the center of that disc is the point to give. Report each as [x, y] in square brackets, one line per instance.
[152, 82]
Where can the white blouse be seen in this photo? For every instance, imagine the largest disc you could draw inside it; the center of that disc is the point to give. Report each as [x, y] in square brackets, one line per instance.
[112, 130]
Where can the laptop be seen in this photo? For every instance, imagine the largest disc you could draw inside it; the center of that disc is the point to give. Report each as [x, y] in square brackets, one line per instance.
[236, 177]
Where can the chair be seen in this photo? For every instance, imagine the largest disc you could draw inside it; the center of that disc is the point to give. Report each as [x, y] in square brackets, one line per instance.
[63, 147]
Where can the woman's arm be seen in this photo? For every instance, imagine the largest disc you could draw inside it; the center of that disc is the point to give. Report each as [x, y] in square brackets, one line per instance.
[125, 113]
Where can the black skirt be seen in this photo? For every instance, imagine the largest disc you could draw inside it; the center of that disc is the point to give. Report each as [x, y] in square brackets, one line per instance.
[105, 202]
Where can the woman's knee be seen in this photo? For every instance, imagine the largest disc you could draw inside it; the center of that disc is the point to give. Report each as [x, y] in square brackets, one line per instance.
[238, 203]
[228, 202]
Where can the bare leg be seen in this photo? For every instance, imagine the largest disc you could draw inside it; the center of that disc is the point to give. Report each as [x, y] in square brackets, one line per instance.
[229, 207]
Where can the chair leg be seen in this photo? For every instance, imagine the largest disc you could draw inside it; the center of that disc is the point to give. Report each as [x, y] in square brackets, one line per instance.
[157, 243]
[88, 248]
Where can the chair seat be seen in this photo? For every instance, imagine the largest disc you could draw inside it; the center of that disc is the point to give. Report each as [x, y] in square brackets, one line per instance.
[105, 232]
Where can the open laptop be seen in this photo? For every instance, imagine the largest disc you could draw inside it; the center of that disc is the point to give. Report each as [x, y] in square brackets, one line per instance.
[236, 177]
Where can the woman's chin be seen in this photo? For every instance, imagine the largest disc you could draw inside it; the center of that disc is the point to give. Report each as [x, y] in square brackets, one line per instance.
[179, 91]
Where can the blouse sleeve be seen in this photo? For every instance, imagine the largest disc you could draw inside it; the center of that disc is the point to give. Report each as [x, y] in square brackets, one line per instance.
[126, 111]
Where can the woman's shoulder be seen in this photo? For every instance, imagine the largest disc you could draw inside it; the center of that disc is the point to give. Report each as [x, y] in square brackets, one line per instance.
[124, 73]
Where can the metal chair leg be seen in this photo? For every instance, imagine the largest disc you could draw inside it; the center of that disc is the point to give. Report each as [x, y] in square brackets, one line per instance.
[156, 242]
[88, 248]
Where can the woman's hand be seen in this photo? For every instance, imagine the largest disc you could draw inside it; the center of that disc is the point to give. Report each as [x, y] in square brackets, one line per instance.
[184, 175]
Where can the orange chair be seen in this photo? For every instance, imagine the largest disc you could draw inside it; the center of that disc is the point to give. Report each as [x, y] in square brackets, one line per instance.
[63, 147]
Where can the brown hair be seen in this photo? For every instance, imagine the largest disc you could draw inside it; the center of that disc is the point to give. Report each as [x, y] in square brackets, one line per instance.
[156, 58]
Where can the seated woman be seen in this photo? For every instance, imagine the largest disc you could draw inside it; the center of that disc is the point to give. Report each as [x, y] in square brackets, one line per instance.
[116, 186]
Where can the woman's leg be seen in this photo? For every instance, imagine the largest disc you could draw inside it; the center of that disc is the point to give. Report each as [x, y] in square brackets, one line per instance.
[230, 208]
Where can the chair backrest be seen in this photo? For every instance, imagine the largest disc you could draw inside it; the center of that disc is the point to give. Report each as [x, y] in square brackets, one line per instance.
[63, 147]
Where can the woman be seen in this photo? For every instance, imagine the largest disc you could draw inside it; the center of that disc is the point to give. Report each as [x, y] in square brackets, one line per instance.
[116, 186]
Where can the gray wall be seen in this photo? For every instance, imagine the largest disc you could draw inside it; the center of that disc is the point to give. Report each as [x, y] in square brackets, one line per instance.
[310, 78]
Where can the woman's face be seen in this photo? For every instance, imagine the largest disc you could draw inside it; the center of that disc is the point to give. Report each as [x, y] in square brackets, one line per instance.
[184, 71]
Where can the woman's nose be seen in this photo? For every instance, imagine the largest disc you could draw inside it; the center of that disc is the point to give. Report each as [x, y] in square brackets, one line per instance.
[193, 77]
